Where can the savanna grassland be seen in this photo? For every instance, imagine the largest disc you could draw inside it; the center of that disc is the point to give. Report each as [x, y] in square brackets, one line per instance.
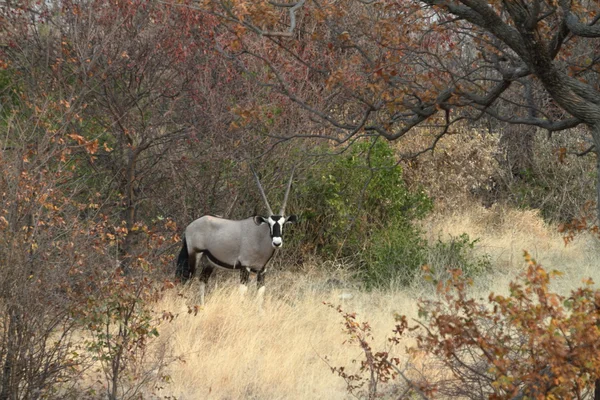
[229, 350]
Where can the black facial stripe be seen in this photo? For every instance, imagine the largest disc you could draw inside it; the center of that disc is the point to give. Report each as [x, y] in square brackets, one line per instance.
[276, 231]
[276, 228]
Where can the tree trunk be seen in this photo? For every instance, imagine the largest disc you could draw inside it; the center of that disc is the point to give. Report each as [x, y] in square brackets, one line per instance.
[129, 213]
[517, 143]
[597, 186]
[9, 369]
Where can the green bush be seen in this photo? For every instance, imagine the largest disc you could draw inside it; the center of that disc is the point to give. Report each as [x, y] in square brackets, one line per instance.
[395, 255]
[456, 253]
[357, 206]
[349, 199]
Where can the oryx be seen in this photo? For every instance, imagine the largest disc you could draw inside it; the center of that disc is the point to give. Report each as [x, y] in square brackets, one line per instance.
[243, 245]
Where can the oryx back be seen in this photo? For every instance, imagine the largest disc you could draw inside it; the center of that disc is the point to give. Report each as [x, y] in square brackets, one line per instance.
[228, 243]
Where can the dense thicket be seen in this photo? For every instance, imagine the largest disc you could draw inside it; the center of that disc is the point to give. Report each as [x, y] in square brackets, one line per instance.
[119, 126]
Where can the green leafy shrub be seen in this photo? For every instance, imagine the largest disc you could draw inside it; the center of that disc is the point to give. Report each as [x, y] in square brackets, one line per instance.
[395, 255]
[352, 198]
[458, 253]
[357, 206]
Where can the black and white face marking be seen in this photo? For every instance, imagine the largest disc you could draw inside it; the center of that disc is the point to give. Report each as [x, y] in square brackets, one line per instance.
[276, 223]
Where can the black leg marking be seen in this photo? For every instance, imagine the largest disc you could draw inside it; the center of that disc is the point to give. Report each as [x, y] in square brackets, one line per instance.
[207, 271]
[244, 274]
[260, 278]
[182, 272]
[260, 282]
[192, 264]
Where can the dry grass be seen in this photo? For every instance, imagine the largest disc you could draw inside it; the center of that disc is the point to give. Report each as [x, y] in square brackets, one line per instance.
[506, 233]
[232, 351]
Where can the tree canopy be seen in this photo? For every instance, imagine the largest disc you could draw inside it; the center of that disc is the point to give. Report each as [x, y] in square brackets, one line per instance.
[386, 67]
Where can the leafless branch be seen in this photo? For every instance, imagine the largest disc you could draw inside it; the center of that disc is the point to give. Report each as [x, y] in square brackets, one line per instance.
[590, 149]
[293, 7]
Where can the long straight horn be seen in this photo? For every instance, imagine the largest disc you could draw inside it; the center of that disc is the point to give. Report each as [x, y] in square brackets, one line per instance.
[287, 193]
[262, 192]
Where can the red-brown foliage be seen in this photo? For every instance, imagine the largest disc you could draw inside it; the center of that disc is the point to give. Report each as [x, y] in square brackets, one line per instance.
[530, 343]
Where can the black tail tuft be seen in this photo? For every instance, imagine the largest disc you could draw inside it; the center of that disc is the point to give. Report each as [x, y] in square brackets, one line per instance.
[183, 268]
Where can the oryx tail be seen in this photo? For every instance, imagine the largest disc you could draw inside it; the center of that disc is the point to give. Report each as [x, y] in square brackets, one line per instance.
[183, 267]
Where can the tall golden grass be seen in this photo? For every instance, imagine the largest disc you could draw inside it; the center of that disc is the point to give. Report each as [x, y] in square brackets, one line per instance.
[505, 233]
[231, 350]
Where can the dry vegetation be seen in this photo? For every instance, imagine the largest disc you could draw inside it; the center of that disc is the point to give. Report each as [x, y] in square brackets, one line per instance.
[109, 150]
[460, 165]
[230, 350]
[505, 233]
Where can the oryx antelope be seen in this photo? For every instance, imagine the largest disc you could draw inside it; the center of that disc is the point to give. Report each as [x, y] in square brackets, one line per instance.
[246, 245]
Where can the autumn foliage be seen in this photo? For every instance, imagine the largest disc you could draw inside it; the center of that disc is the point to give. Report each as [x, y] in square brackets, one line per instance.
[123, 121]
[529, 343]
[62, 271]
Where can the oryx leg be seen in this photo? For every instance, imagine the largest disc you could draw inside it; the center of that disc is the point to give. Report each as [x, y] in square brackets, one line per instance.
[192, 264]
[260, 283]
[244, 277]
[207, 271]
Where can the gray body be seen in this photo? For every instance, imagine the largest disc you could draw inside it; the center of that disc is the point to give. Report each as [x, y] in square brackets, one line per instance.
[230, 244]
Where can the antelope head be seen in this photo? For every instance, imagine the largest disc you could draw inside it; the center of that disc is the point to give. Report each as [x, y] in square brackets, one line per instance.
[276, 222]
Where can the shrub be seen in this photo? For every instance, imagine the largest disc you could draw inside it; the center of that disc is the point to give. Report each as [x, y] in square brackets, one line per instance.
[456, 253]
[358, 206]
[353, 198]
[120, 322]
[395, 255]
[398, 255]
[531, 343]
[558, 183]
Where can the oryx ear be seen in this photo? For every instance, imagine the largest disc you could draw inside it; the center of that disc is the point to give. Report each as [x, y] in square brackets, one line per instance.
[260, 220]
[291, 219]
